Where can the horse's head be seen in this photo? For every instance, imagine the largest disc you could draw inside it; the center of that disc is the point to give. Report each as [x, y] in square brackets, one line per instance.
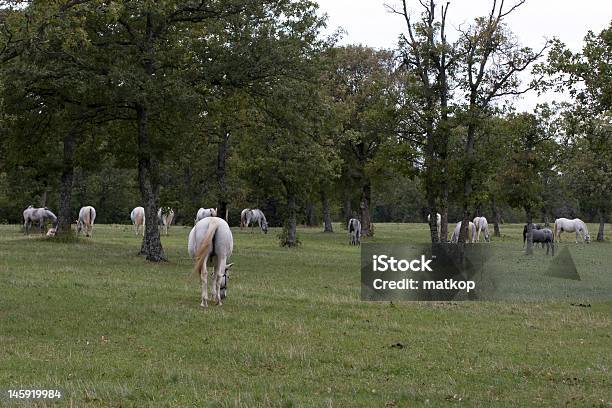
[224, 280]
[264, 226]
[587, 238]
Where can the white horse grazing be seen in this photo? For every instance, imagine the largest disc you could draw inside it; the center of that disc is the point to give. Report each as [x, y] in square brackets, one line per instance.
[211, 238]
[354, 231]
[87, 216]
[481, 225]
[438, 222]
[138, 219]
[165, 216]
[566, 225]
[39, 215]
[254, 216]
[455, 237]
[205, 212]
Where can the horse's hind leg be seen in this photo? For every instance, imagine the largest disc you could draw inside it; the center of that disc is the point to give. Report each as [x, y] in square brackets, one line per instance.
[204, 279]
[220, 265]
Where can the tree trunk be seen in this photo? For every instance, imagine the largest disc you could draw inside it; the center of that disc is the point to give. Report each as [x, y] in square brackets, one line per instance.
[464, 234]
[65, 216]
[444, 225]
[149, 187]
[443, 135]
[444, 205]
[43, 198]
[433, 224]
[469, 168]
[496, 218]
[222, 149]
[326, 216]
[310, 215]
[366, 195]
[602, 223]
[291, 222]
[529, 248]
[347, 210]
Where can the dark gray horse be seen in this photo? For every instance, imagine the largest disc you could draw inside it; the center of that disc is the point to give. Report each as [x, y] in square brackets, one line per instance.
[533, 226]
[546, 237]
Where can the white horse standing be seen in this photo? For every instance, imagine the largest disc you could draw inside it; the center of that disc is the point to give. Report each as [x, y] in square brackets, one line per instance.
[39, 215]
[211, 238]
[354, 230]
[87, 216]
[254, 216]
[455, 236]
[438, 222]
[567, 225]
[205, 212]
[165, 215]
[481, 225]
[138, 219]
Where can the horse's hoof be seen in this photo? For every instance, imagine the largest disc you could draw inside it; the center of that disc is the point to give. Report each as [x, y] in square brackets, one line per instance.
[204, 304]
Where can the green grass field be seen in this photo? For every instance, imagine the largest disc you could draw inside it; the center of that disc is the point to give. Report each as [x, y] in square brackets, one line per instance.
[111, 330]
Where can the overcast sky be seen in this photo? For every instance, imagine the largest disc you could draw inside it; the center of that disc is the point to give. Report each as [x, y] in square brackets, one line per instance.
[368, 22]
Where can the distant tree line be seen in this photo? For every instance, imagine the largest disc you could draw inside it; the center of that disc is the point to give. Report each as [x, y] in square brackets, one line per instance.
[235, 104]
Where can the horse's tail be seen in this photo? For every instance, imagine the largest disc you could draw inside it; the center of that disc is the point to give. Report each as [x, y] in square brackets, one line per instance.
[243, 217]
[202, 250]
[90, 216]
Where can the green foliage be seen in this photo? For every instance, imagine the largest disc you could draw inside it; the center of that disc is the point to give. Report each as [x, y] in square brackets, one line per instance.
[587, 75]
[361, 83]
[528, 155]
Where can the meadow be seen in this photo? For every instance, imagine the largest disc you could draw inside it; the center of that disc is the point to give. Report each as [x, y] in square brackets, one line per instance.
[94, 319]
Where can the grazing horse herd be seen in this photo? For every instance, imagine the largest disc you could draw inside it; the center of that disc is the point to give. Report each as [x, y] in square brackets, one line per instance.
[211, 237]
[540, 235]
